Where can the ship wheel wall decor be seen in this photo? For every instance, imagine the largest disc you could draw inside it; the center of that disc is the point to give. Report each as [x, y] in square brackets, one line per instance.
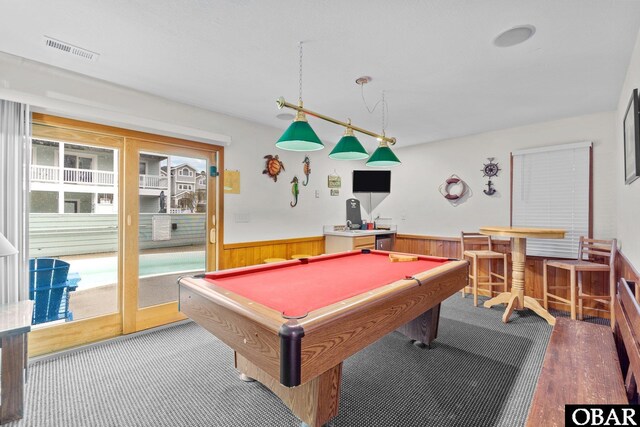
[490, 170]
[454, 189]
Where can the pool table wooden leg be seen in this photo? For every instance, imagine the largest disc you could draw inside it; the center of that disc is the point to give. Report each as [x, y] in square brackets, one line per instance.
[423, 328]
[314, 402]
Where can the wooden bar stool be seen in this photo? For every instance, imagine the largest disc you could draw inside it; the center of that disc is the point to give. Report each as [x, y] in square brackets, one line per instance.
[600, 256]
[469, 240]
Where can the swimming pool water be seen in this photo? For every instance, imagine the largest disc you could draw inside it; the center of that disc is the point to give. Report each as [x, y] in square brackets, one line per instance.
[104, 270]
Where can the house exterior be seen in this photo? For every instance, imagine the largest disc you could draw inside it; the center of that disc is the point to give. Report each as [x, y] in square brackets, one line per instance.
[154, 186]
[72, 178]
[188, 189]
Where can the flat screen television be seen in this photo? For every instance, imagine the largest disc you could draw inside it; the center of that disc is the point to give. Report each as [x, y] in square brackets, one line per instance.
[371, 181]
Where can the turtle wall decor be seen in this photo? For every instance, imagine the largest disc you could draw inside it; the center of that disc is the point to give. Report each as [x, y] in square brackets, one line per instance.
[273, 166]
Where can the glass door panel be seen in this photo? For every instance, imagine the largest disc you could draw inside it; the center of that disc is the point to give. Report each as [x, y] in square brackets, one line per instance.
[172, 227]
[73, 231]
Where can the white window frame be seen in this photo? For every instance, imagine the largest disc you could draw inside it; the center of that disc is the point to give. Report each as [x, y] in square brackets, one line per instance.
[541, 191]
[188, 172]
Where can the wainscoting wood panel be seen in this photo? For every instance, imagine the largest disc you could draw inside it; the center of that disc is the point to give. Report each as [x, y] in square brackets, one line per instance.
[595, 283]
[251, 253]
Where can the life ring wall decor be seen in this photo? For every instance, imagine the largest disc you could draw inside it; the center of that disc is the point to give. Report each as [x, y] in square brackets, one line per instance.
[451, 183]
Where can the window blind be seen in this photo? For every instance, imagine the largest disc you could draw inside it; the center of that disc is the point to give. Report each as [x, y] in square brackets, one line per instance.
[551, 189]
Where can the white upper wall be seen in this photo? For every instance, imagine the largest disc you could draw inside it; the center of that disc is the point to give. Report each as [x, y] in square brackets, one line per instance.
[628, 196]
[417, 206]
[262, 211]
[264, 203]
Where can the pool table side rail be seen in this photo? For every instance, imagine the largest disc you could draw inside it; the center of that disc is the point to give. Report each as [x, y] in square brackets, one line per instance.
[267, 316]
[254, 332]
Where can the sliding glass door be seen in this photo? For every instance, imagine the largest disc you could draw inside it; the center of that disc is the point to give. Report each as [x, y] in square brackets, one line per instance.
[74, 219]
[115, 217]
[175, 221]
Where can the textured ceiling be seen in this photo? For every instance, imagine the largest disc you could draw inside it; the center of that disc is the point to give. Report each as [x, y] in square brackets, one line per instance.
[435, 59]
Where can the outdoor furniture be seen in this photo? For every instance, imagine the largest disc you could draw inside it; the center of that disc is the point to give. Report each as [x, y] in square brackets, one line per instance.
[49, 287]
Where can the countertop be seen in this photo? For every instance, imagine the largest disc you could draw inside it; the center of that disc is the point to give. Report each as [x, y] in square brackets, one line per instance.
[355, 233]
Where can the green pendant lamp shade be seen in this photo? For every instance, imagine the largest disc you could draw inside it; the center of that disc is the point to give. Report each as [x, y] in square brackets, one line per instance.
[299, 136]
[348, 148]
[383, 157]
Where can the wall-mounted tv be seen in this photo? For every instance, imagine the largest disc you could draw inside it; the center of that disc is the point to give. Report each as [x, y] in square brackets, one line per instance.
[371, 181]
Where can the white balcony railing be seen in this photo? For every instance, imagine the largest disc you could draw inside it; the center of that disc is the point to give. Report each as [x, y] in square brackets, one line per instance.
[92, 177]
[88, 176]
[45, 173]
[154, 182]
[71, 175]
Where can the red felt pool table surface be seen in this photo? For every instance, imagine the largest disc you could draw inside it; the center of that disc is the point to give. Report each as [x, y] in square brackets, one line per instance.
[296, 288]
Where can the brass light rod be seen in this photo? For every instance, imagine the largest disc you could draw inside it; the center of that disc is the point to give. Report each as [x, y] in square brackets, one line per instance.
[282, 103]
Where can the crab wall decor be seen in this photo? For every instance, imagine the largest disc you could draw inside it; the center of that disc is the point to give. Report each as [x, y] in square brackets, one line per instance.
[273, 166]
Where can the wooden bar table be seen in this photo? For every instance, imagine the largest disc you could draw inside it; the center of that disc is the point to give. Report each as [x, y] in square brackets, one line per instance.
[15, 324]
[516, 299]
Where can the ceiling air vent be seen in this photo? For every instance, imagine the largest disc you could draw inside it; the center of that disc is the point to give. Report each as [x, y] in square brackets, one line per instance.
[70, 49]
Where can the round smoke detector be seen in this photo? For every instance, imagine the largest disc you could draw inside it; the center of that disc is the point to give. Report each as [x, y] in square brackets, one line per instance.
[514, 36]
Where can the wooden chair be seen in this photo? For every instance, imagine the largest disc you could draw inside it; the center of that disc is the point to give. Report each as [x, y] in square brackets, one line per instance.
[468, 240]
[49, 287]
[600, 256]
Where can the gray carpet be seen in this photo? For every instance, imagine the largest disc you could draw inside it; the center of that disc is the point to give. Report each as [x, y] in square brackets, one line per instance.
[479, 372]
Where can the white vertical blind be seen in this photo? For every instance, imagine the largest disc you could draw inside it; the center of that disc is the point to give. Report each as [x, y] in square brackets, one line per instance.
[15, 132]
[551, 189]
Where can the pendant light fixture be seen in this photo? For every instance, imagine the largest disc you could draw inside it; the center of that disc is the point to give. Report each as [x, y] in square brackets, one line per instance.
[299, 136]
[348, 148]
[383, 157]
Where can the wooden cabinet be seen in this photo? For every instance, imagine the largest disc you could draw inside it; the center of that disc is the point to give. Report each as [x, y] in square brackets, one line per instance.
[335, 244]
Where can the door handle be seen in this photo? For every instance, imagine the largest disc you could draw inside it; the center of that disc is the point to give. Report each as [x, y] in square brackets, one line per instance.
[212, 236]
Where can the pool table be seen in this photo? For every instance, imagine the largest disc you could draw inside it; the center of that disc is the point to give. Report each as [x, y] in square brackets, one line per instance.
[292, 323]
